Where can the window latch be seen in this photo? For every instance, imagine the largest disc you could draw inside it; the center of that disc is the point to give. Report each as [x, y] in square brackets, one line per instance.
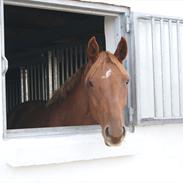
[127, 23]
[4, 65]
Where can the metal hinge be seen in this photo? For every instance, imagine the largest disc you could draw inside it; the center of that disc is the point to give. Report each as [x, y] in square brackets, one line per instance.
[131, 120]
[131, 113]
[4, 65]
[127, 21]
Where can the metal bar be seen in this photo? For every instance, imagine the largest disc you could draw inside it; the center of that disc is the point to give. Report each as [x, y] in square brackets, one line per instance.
[39, 81]
[71, 60]
[163, 121]
[46, 81]
[158, 18]
[33, 92]
[62, 66]
[137, 80]
[153, 64]
[162, 71]
[76, 58]
[22, 84]
[26, 85]
[67, 63]
[179, 50]
[62, 131]
[55, 73]
[43, 82]
[31, 83]
[170, 52]
[50, 84]
[58, 67]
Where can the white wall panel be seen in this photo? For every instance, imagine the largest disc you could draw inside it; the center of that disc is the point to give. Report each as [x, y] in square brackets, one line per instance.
[159, 62]
[174, 70]
[145, 69]
[181, 68]
[157, 66]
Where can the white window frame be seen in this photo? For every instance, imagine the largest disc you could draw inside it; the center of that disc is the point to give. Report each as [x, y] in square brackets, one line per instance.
[61, 144]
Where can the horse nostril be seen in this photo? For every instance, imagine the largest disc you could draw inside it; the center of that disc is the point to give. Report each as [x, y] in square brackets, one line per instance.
[124, 131]
[107, 131]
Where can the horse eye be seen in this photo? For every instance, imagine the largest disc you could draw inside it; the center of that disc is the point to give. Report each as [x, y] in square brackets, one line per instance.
[90, 83]
[127, 82]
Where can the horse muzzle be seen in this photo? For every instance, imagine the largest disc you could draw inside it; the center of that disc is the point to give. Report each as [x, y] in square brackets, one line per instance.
[110, 139]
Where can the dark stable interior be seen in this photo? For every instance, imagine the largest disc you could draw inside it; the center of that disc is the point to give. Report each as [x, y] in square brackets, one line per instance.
[31, 32]
[28, 30]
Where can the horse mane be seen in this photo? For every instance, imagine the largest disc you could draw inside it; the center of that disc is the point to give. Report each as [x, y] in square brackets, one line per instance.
[106, 56]
[61, 93]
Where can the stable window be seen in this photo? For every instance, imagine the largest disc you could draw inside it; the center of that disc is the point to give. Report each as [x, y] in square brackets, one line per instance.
[45, 44]
[158, 69]
[44, 49]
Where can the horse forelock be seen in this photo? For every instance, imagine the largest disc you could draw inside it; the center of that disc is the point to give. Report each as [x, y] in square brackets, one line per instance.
[119, 65]
[61, 93]
[103, 58]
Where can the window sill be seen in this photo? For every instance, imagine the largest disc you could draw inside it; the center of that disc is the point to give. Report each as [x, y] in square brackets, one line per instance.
[28, 151]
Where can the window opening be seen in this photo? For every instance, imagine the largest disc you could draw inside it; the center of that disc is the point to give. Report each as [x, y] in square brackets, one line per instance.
[44, 48]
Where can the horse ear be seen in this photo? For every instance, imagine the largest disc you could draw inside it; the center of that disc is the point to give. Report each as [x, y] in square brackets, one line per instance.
[93, 49]
[121, 50]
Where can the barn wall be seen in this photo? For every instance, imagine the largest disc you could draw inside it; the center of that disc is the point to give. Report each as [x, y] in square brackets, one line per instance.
[157, 157]
[163, 7]
[157, 149]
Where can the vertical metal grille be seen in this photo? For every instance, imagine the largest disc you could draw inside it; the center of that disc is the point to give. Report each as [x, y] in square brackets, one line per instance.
[159, 63]
[12, 94]
[38, 81]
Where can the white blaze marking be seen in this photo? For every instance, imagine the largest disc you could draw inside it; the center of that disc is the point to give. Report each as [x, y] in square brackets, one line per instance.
[107, 74]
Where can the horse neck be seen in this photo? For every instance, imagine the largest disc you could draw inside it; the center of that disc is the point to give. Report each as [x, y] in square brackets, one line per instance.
[79, 99]
[80, 105]
[73, 110]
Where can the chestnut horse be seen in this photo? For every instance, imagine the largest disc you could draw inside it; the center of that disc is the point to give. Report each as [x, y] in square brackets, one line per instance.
[96, 93]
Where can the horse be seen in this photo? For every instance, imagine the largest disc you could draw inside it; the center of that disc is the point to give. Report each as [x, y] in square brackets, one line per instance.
[95, 94]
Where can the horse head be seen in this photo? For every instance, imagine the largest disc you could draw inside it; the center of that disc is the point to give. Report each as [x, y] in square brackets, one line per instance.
[106, 81]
